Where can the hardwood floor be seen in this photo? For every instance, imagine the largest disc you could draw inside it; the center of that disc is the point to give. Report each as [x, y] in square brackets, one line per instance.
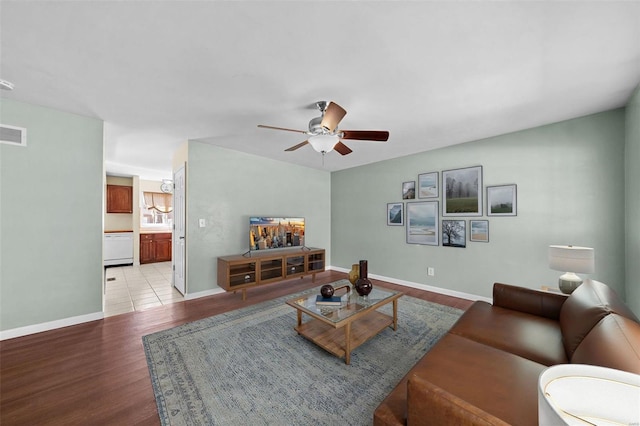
[96, 373]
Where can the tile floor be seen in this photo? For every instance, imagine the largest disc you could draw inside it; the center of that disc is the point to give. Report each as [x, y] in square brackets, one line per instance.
[136, 288]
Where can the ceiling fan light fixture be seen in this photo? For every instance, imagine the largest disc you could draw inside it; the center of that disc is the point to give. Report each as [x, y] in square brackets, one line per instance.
[323, 143]
[324, 135]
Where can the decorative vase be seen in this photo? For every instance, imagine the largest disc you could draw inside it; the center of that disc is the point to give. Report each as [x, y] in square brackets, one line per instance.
[354, 273]
[363, 285]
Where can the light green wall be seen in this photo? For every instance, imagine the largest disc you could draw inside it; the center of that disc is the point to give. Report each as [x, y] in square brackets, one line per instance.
[570, 185]
[226, 187]
[632, 198]
[51, 217]
[571, 189]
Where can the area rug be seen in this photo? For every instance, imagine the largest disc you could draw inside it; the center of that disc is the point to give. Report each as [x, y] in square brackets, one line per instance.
[249, 366]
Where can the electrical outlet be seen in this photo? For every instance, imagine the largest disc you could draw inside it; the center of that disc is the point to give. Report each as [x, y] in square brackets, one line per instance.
[431, 272]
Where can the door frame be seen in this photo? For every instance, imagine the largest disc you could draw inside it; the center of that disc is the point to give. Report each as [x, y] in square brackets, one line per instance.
[179, 241]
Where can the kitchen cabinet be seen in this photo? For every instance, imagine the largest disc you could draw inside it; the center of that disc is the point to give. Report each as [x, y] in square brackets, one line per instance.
[155, 247]
[119, 199]
[163, 247]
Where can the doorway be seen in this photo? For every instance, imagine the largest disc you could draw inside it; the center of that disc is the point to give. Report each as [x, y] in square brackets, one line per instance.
[138, 287]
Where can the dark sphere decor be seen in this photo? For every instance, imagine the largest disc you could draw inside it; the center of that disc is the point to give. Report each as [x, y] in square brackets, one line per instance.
[327, 290]
[363, 285]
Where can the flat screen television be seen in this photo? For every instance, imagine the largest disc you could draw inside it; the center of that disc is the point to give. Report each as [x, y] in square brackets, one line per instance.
[267, 233]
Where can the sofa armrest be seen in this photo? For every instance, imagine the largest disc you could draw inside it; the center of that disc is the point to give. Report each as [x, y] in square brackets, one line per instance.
[430, 404]
[534, 302]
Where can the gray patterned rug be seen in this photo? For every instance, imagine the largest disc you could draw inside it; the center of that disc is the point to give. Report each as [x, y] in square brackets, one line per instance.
[249, 366]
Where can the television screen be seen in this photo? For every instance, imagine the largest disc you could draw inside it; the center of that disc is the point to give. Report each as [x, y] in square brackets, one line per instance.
[276, 232]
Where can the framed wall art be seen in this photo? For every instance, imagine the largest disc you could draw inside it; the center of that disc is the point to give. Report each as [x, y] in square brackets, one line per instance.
[454, 233]
[462, 192]
[409, 190]
[479, 231]
[395, 214]
[502, 200]
[422, 223]
[428, 185]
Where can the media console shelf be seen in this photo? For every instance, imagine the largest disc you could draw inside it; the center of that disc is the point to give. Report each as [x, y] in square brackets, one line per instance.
[239, 272]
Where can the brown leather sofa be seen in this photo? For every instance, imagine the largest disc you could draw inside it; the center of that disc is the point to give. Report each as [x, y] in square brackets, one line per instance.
[485, 370]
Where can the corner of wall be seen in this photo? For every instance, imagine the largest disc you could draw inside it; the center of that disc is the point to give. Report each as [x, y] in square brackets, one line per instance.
[632, 201]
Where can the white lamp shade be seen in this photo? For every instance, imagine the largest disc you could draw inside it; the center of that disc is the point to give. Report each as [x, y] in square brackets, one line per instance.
[574, 394]
[572, 259]
[323, 143]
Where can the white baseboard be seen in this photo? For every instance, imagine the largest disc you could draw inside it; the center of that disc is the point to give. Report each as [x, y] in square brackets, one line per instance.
[412, 284]
[190, 296]
[51, 325]
[38, 328]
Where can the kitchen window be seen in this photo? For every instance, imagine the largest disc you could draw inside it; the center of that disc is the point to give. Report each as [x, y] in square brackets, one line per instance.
[156, 209]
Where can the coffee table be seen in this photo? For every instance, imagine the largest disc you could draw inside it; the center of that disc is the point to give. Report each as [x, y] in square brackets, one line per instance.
[341, 329]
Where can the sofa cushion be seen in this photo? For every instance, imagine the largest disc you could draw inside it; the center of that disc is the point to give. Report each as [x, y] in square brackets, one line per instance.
[443, 407]
[533, 337]
[614, 343]
[535, 302]
[586, 306]
[393, 409]
[499, 383]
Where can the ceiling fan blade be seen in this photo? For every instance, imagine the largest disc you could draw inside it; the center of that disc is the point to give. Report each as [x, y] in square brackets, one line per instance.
[300, 145]
[342, 148]
[332, 116]
[262, 126]
[366, 135]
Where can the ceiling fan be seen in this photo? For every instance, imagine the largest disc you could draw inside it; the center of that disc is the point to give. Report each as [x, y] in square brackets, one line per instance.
[323, 132]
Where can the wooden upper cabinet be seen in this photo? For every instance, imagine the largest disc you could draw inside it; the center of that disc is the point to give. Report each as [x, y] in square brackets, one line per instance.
[119, 199]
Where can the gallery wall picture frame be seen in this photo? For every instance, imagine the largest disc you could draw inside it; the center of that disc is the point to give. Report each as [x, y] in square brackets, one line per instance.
[454, 233]
[462, 192]
[479, 231]
[502, 200]
[409, 190]
[422, 225]
[395, 214]
[428, 185]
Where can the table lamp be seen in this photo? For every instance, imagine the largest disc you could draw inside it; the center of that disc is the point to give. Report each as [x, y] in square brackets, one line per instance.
[578, 394]
[571, 259]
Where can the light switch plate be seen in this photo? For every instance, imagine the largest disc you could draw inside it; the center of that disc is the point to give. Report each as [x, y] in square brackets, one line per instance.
[202, 223]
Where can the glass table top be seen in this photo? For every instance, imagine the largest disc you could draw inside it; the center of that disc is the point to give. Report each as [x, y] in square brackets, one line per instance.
[351, 303]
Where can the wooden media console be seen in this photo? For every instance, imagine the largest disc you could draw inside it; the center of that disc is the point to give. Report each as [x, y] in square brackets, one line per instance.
[239, 272]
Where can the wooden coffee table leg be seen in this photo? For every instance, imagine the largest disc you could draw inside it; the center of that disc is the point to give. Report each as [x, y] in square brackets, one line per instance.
[299, 318]
[347, 346]
[395, 314]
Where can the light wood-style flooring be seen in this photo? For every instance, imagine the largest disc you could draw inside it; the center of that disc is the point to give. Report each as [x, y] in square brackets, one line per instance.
[96, 373]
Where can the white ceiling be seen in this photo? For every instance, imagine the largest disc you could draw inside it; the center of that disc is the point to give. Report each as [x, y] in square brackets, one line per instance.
[432, 73]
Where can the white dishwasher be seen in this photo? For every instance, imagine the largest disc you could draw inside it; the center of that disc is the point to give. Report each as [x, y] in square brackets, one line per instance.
[118, 248]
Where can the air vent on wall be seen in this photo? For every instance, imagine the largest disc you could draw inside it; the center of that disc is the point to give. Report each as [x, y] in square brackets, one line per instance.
[13, 135]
